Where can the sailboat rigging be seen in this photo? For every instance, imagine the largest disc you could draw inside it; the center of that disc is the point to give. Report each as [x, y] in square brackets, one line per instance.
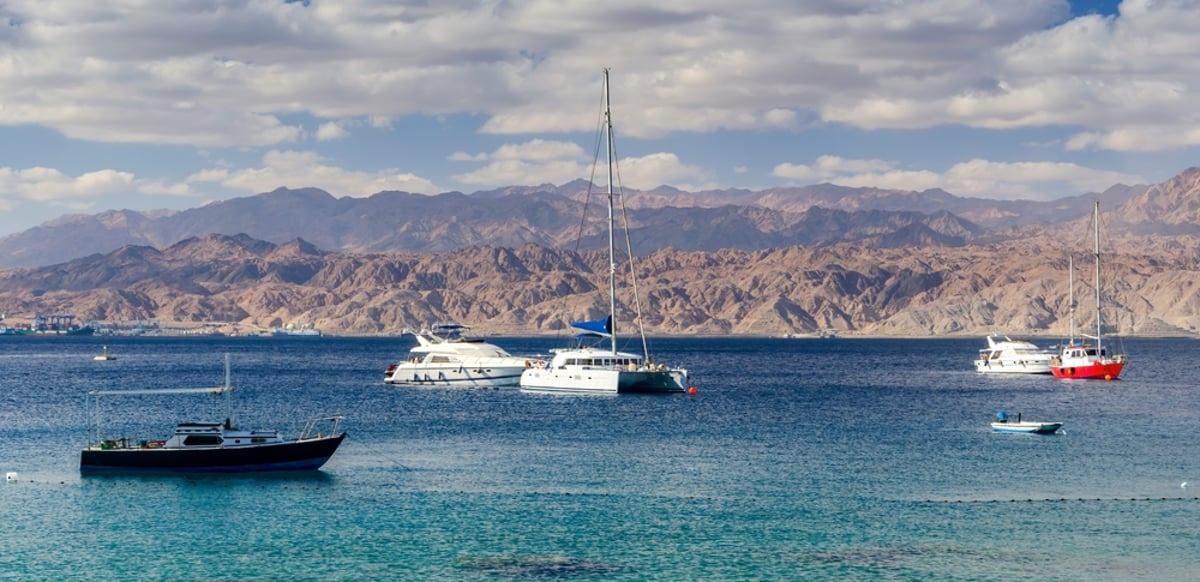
[1079, 358]
[589, 368]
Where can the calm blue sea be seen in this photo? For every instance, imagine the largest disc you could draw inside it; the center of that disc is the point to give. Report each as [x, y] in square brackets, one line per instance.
[798, 459]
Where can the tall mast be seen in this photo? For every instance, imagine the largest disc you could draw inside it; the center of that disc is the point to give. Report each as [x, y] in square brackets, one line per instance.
[1096, 225]
[1071, 294]
[612, 261]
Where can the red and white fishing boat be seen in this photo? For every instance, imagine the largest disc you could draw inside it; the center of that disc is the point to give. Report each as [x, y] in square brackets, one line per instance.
[1086, 357]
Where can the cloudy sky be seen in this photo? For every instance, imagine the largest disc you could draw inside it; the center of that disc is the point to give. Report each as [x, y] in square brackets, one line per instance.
[149, 104]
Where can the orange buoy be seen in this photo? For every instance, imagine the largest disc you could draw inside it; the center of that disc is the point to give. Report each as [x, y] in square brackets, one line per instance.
[692, 390]
[1108, 376]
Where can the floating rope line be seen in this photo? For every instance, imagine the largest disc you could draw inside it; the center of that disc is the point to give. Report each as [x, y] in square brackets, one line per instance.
[1060, 499]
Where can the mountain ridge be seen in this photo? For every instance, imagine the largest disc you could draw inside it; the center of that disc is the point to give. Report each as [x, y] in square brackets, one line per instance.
[548, 215]
[868, 271]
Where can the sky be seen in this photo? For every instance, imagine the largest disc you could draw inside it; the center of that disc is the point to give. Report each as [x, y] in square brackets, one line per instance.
[172, 104]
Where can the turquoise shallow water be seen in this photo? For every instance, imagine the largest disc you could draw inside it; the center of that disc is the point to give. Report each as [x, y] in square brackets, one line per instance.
[797, 459]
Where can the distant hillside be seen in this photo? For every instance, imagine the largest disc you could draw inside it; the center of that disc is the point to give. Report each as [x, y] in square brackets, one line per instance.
[550, 216]
[1017, 287]
[733, 268]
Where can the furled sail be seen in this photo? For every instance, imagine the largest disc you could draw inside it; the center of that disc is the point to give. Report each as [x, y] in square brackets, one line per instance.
[599, 327]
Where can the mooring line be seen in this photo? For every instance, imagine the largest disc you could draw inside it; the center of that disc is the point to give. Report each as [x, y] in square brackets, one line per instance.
[1061, 499]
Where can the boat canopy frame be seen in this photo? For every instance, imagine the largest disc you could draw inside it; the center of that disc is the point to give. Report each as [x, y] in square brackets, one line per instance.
[93, 397]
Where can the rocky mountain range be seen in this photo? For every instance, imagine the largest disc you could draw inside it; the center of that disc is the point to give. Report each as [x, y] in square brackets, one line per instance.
[860, 262]
[547, 215]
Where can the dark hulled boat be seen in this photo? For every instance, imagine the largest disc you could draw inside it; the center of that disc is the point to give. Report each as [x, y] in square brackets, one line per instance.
[213, 447]
[218, 448]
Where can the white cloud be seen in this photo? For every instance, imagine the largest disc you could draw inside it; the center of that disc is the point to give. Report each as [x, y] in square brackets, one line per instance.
[177, 72]
[163, 189]
[53, 188]
[659, 169]
[533, 162]
[465, 157]
[302, 169]
[253, 74]
[828, 167]
[50, 185]
[539, 150]
[1032, 180]
[330, 131]
[974, 178]
[555, 162]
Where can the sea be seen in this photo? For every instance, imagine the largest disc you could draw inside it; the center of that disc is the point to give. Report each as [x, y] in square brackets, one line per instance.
[795, 459]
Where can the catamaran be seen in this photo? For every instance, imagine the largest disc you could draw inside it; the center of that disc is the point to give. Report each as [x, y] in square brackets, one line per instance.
[590, 366]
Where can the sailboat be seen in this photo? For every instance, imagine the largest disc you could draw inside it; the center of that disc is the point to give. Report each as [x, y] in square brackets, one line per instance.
[595, 367]
[212, 447]
[1080, 358]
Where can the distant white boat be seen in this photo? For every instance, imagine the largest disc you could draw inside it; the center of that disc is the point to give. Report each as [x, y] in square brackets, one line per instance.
[301, 331]
[821, 334]
[444, 357]
[104, 356]
[1005, 424]
[1005, 355]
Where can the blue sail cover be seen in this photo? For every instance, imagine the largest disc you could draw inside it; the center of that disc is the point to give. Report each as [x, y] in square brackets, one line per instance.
[600, 327]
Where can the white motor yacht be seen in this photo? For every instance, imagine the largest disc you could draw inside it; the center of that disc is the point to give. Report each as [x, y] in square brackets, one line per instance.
[1005, 355]
[444, 357]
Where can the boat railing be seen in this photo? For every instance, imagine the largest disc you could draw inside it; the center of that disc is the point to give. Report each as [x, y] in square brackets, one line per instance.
[321, 427]
[107, 444]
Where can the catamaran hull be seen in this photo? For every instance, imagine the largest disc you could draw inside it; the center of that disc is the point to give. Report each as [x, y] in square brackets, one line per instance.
[306, 455]
[598, 381]
[1092, 371]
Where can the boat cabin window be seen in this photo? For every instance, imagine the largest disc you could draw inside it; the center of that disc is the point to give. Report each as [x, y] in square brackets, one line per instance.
[199, 440]
[601, 362]
[439, 360]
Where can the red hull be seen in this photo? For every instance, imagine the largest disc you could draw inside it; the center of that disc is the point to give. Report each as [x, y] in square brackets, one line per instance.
[1093, 371]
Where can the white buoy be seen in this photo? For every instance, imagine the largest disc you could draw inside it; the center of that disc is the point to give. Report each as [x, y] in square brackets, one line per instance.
[10, 476]
[1183, 485]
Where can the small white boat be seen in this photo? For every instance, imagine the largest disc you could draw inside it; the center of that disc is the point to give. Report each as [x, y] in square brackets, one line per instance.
[444, 357]
[1005, 355]
[104, 356]
[1005, 424]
